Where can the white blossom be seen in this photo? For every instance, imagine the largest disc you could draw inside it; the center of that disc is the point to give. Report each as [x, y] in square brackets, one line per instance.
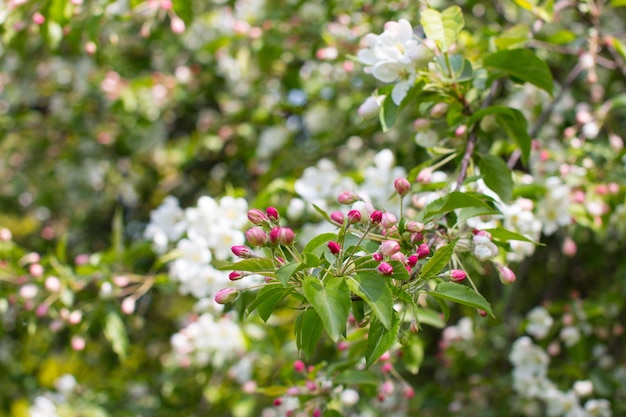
[167, 224]
[553, 210]
[539, 322]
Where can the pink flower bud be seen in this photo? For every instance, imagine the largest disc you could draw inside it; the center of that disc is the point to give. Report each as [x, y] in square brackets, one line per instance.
[317, 413]
[128, 305]
[389, 220]
[41, 310]
[38, 18]
[243, 252]
[257, 217]
[457, 275]
[385, 269]
[272, 213]
[569, 247]
[412, 260]
[226, 295]
[386, 368]
[414, 227]
[347, 198]
[177, 25]
[389, 247]
[299, 366]
[256, 236]
[36, 270]
[236, 275]
[354, 216]
[282, 235]
[334, 247]
[507, 276]
[408, 392]
[460, 131]
[482, 313]
[377, 257]
[53, 284]
[376, 216]
[398, 256]
[424, 176]
[78, 343]
[402, 186]
[422, 251]
[337, 217]
[5, 235]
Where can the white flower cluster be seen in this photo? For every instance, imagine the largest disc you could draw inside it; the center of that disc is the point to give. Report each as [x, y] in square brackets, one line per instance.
[47, 405]
[395, 56]
[530, 380]
[201, 233]
[207, 340]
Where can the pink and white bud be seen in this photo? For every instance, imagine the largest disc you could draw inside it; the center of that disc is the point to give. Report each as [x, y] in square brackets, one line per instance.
[457, 275]
[128, 305]
[256, 236]
[354, 216]
[422, 124]
[272, 213]
[414, 227]
[402, 186]
[36, 270]
[5, 235]
[282, 235]
[385, 269]
[337, 217]
[236, 275]
[376, 216]
[507, 276]
[177, 25]
[417, 238]
[424, 176]
[398, 256]
[389, 220]
[370, 107]
[389, 247]
[257, 217]
[75, 317]
[334, 247]
[242, 252]
[38, 18]
[438, 110]
[78, 343]
[53, 284]
[460, 131]
[226, 295]
[422, 251]
[569, 247]
[347, 198]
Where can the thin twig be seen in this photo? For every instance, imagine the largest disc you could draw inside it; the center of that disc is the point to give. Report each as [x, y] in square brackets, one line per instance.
[473, 137]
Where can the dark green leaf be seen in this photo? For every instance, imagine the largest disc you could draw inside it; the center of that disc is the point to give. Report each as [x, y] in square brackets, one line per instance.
[374, 290]
[430, 317]
[438, 261]
[502, 234]
[497, 176]
[331, 300]
[308, 329]
[267, 299]
[317, 245]
[523, 64]
[380, 339]
[461, 294]
[332, 413]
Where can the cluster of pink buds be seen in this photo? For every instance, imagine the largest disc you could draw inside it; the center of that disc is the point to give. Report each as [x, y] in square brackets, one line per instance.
[268, 230]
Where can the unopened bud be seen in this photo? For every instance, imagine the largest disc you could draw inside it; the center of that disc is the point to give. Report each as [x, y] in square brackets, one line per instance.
[257, 217]
[256, 236]
[389, 247]
[414, 227]
[412, 260]
[376, 216]
[177, 25]
[457, 275]
[337, 217]
[334, 247]
[389, 220]
[507, 276]
[424, 176]
[235, 275]
[385, 269]
[422, 251]
[347, 198]
[398, 256]
[272, 213]
[402, 186]
[354, 216]
[299, 366]
[243, 252]
[377, 257]
[282, 235]
[226, 295]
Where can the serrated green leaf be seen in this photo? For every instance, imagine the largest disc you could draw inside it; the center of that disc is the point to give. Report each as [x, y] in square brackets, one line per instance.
[461, 294]
[248, 265]
[374, 290]
[438, 261]
[497, 176]
[443, 27]
[502, 234]
[115, 333]
[380, 339]
[267, 299]
[286, 271]
[331, 300]
[308, 329]
[523, 64]
[454, 200]
[317, 245]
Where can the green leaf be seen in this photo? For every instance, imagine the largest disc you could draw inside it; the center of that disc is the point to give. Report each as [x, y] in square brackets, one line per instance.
[430, 317]
[454, 200]
[331, 300]
[523, 64]
[308, 329]
[332, 413]
[286, 271]
[497, 176]
[461, 71]
[323, 213]
[355, 377]
[374, 290]
[618, 3]
[438, 261]
[513, 122]
[248, 265]
[388, 113]
[399, 271]
[515, 36]
[380, 339]
[469, 212]
[461, 294]
[443, 27]
[267, 299]
[317, 245]
[413, 354]
[115, 333]
[502, 234]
